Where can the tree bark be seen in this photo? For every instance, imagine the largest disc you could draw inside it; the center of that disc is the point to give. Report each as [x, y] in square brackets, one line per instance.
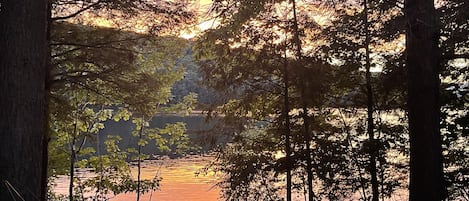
[307, 133]
[370, 120]
[139, 162]
[23, 119]
[72, 174]
[422, 61]
[285, 112]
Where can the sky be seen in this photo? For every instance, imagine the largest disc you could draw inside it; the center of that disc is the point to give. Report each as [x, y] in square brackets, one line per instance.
[204, 20]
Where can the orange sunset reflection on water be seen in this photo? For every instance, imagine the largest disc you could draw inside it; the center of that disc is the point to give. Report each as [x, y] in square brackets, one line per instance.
[180, 182]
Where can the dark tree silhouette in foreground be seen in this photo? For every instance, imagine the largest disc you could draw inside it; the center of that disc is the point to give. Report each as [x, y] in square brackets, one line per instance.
[422, 60]
[23, 70]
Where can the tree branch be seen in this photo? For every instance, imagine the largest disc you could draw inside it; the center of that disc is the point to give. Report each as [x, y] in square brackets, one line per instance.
[80, 75]
[106, 44]
[66, 52]
[456, 56]
[102, 43]
[86, 87]
[77, 12]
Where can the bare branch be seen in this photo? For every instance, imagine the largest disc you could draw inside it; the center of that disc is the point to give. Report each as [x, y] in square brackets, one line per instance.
[97, 45]
[102, 43]
[65, 52]
[77, 12]
[456, 56]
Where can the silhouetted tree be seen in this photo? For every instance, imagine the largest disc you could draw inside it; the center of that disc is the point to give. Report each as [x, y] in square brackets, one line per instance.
[422, 62]
[23, 69]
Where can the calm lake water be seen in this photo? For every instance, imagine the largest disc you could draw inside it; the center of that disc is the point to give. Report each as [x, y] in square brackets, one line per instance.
[180, 181]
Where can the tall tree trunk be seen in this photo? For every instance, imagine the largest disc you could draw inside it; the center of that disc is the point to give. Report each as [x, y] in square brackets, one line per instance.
[285, 112]
[139, 163]
[307, 134]
[72, 174]
[370, 124]
[46, 138]
[73, 156]
[422, 61]
[23, 61]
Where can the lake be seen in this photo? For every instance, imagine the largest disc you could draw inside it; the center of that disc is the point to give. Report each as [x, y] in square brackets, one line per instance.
[180, 181]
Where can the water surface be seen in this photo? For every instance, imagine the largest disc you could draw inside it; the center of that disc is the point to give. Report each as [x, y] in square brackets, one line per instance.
[180, 181]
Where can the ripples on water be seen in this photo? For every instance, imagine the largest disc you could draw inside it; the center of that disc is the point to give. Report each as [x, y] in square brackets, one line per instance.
[179, 183]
